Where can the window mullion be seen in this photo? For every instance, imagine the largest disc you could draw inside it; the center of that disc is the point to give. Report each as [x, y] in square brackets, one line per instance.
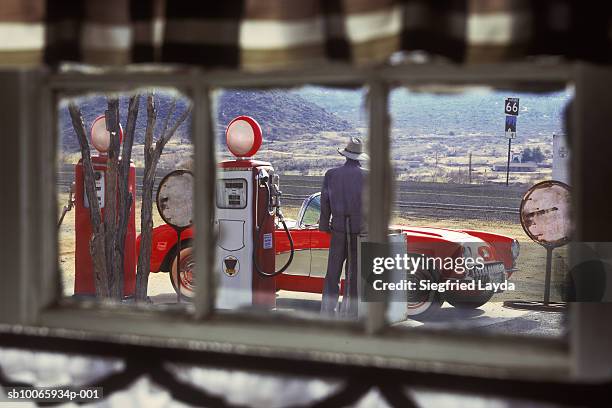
[49, 273]
[379, 184]
[204, 174]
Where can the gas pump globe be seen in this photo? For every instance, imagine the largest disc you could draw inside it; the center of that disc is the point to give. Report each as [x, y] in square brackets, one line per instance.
[248, 202]
[84, 285]
[243, 136]
[100, 136]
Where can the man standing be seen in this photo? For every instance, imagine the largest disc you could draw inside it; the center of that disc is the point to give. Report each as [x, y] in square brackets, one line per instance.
[341, 201]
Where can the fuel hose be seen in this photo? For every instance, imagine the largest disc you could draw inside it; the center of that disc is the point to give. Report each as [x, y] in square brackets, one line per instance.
[291, 245]
[284, 268]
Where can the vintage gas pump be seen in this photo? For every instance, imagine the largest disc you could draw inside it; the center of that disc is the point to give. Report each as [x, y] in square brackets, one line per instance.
[248, 202]
[84, 278]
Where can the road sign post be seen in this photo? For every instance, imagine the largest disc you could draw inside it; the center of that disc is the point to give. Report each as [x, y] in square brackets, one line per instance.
[508, 164]
[511, 109]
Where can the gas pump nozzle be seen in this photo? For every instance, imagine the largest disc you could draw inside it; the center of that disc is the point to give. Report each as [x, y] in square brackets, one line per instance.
[68, 207]
[263, 177]
[272, 186]
[276, 194]
[273, 207]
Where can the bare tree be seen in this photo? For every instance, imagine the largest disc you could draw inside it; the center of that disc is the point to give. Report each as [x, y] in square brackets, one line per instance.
[151, 156]
[109, 232]
[125, 196]
[96, 245]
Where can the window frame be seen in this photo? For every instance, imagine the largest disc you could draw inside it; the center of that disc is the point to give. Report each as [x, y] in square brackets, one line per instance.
[372, 344]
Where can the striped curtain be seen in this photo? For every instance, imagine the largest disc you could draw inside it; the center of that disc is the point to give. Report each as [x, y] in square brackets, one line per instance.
[272, 34]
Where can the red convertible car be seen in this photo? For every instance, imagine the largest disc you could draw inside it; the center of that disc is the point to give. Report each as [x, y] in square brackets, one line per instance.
[307, 271]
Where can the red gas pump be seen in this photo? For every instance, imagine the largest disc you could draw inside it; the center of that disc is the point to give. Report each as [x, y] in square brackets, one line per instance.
[248, 203]
[84, 277]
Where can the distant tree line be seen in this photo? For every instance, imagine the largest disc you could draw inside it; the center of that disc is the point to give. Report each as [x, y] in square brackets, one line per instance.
[533, 155]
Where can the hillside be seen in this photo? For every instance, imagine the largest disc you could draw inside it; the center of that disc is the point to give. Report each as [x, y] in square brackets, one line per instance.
[94, 105]
[433, 135]
[472, 112]
[282, 115]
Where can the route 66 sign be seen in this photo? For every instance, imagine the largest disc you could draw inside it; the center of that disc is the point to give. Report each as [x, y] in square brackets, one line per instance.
[511, 106]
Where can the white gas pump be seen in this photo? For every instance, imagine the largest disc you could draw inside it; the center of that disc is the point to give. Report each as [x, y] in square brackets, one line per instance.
[247, 204]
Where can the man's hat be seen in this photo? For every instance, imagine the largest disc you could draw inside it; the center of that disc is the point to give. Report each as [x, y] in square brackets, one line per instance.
[354, 150]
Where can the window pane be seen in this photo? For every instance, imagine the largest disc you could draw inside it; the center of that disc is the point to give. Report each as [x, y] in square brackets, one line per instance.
[449, 155]
[302, 131]
[126, 187]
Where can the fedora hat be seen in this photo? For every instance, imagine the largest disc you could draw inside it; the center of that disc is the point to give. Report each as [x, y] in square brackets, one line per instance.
[354, 150]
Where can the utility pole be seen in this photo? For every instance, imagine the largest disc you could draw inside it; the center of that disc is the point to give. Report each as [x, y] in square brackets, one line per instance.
[470, 168]
[436, 169]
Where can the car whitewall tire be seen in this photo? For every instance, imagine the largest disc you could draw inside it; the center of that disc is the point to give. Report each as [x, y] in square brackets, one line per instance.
[187, 273]
[428, 303]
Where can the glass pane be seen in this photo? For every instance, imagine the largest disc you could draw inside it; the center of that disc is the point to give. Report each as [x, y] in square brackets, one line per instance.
[455, 205]
[301, 132]
[89, 270]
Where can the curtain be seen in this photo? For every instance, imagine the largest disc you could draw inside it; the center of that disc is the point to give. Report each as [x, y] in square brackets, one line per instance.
[273, 34]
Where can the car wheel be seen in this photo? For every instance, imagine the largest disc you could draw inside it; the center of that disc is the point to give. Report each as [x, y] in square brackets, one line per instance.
[423, 305]
[187, 273]
[424, 310]
[468, 300]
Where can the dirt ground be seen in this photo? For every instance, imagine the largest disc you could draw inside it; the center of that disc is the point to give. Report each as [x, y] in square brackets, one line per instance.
[529, 278]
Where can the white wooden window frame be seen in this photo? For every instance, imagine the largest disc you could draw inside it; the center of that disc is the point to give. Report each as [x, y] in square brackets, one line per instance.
[31, 297]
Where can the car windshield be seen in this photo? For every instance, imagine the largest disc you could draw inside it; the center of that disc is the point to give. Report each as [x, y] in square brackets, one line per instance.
[312, 212]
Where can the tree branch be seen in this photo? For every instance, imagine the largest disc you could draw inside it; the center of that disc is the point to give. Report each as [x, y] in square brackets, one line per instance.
[146, 216]
[96, 245]
[168, 116]
[144, 261]
[167, 135]
[125, 196]
[110, 205]
[151, 119]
